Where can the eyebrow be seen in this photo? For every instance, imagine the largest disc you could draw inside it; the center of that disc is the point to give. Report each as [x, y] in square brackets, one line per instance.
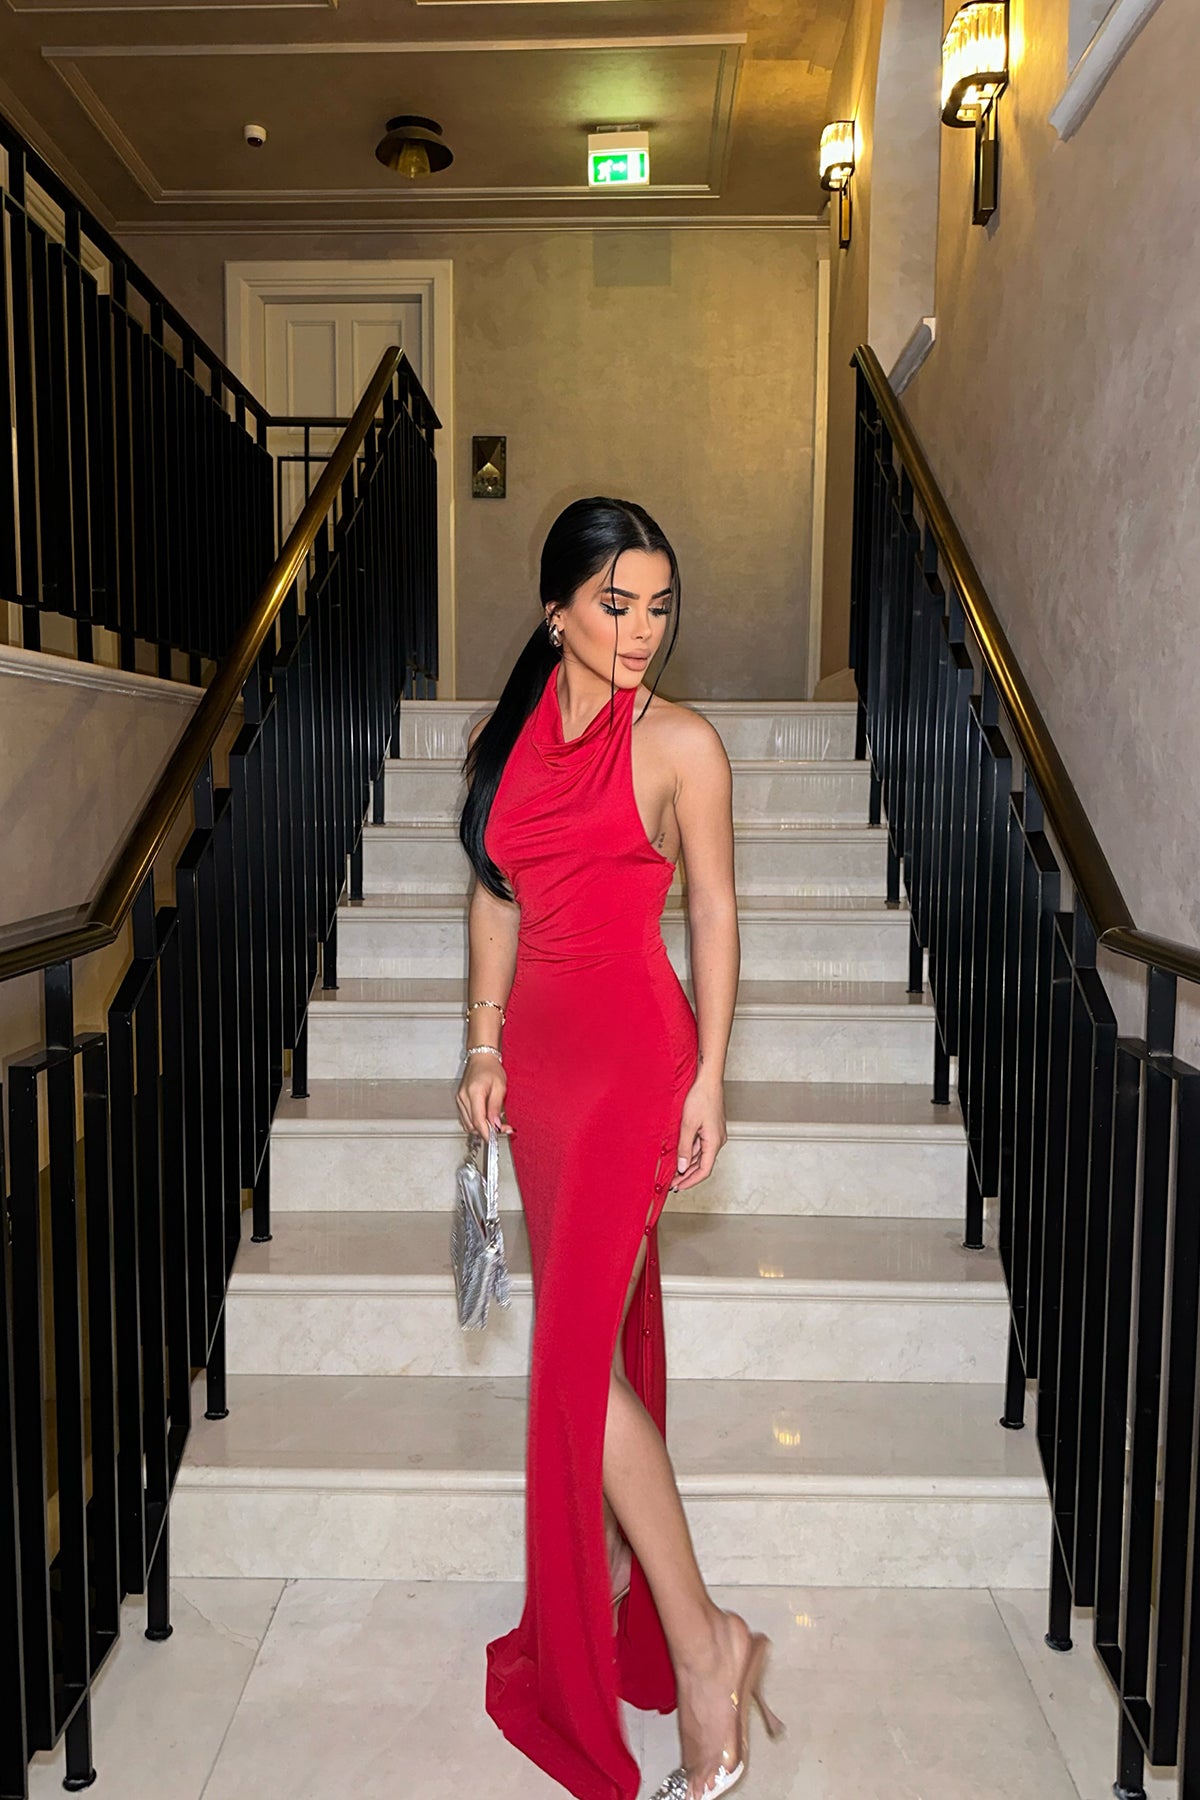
[625, 594]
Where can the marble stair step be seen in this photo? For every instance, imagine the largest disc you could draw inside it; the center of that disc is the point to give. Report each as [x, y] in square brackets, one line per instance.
[838, 938]
[830, 1483]
[404, 1027]
[785, 730]
[432, 788]
[767, 1298]
[781, 859]
[852, 1149]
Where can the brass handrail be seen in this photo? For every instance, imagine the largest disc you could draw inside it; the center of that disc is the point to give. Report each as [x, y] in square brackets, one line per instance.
[1089, 867]
[104, 916]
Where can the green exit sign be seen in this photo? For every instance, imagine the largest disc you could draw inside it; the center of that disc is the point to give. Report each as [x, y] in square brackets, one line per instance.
[619, 168]
[618, 159]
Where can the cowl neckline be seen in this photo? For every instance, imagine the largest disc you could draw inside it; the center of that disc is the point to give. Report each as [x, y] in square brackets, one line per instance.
[549, 733]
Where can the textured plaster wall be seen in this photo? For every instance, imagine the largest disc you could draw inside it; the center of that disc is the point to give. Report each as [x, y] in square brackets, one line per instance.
[673, 367]
[81, 749]
[851, 96]
[904, 174]
[1058, 410]
[887, 78]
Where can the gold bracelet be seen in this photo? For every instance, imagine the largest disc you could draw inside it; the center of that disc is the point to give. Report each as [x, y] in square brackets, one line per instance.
[470, 1009]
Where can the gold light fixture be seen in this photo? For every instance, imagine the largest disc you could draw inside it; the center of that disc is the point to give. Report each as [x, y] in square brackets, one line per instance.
[413, 147]
[974, 75]
[837, 167]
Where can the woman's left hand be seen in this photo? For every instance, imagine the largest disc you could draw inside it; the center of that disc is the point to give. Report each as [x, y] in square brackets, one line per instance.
[701, 1133]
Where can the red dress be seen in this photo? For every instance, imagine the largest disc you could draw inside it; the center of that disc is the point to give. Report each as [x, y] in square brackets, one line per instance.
[599, 1048]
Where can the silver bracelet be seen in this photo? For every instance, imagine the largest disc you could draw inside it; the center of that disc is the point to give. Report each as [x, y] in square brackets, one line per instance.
[484, 1049]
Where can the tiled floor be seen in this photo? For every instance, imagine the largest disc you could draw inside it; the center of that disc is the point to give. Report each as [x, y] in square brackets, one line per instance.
[374, 1690]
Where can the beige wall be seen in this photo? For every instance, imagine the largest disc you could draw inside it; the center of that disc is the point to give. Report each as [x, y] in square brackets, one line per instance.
[81, 749]
[1058, 410]
[673, 367]
[851, 96]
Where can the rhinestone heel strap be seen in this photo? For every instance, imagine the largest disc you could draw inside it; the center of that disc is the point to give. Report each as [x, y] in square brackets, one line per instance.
[675, 1786]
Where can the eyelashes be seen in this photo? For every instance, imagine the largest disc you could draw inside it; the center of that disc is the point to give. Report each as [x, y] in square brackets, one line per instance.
[618, 612]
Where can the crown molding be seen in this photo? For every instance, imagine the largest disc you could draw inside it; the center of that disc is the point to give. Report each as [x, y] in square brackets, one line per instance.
[50, 153]
[39, 8]
[97, 114]
[714, 40]
[790, 222]
[582, 195]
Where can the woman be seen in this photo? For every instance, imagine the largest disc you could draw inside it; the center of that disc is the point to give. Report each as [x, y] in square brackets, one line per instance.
[602, 1080]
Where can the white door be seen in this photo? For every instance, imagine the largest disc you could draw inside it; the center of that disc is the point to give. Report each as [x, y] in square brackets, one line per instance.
[304, 336]
[319, 355]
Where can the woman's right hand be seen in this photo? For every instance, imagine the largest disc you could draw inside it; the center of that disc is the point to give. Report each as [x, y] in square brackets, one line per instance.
[480, 1096]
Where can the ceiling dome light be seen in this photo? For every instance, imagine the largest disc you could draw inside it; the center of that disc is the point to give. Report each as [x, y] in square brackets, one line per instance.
[413, 146]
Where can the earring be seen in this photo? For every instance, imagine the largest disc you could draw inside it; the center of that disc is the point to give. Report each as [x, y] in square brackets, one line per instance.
[555, 633]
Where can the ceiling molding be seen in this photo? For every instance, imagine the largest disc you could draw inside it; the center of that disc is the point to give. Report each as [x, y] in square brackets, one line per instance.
[423, 197]
[720, 141]
[790, 222]
[503, 2]
[45, 8]
[94, 109]
[65, 62]
[427, 47]
[31, 129]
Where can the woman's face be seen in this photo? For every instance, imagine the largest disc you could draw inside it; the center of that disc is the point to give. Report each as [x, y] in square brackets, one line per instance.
[631, 615]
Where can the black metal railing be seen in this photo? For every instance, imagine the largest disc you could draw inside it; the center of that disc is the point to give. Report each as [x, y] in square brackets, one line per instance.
[298, 460]
[131, 1150]
[135, 478]
[1086, 1141]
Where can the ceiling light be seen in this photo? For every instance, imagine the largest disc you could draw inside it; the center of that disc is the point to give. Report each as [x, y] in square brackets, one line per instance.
[413, 146]
[837, 166]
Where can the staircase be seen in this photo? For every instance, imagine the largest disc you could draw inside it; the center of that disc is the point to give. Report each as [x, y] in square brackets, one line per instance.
[835, 1356]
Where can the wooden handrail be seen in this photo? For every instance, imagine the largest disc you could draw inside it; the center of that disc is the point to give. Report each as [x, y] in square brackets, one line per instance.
[26, 951]
[1089, 867]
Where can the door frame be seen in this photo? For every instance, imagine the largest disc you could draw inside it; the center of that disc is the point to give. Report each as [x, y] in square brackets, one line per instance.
[249, 286]
[816, 582]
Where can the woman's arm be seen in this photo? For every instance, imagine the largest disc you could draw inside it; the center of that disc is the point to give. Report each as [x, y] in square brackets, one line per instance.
[704, 808]
[492, 926]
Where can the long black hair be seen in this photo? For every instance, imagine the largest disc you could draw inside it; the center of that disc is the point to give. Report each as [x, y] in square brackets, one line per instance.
[586, 536]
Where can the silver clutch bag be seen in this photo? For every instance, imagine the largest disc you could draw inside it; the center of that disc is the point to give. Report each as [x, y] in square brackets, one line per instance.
[476, 1240]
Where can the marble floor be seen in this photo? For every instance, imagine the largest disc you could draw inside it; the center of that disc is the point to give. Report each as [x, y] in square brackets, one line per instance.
[319, 1690]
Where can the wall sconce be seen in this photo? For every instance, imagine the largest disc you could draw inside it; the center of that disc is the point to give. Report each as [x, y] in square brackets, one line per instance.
[974, 75]
[837, 167]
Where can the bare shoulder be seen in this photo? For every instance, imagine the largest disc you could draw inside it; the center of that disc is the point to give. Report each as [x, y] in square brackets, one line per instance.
[476, 728]
[686, 740]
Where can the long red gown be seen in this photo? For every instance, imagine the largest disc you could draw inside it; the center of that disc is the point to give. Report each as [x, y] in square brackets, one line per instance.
[599, 1048]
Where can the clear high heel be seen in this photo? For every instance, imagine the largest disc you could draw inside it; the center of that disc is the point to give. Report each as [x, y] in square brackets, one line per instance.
[675, 1786]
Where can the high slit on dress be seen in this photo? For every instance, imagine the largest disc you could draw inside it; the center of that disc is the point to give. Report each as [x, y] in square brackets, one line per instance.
[599, 1051]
